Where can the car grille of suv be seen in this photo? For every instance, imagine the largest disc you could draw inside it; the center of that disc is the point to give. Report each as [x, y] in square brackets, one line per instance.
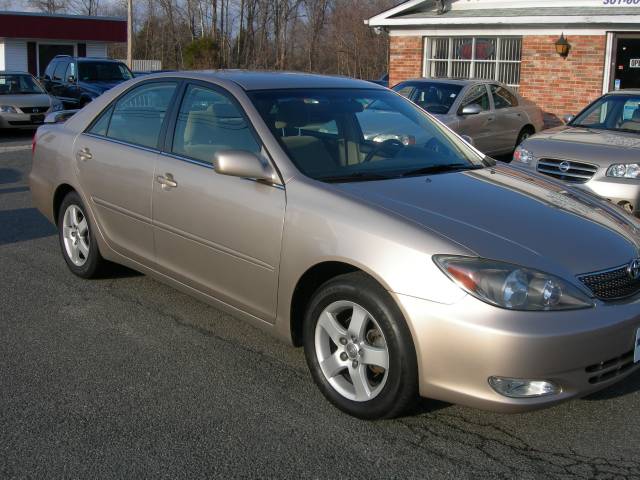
[611, 284]
[564, 170]
[603, 371]
[34, 109]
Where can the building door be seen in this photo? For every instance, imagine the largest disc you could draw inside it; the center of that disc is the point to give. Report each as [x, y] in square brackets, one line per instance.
[47, 52]
[626, 62]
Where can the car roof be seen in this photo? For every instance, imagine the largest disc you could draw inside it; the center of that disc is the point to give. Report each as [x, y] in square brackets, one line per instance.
[626, 91]
[265, 80]
[451, 81]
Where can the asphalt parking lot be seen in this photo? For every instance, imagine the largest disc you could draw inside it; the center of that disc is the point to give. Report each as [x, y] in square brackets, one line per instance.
[125, 377]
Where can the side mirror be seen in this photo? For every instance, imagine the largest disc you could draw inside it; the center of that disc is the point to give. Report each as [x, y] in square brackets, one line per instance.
[241, 163]
[471, 109]
[568, 118]
[467, 139]
[71, 79]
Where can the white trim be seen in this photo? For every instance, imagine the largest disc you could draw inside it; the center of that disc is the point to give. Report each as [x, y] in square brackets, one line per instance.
[608, 60]
[524, 20]
[482, 30]
[393, 11]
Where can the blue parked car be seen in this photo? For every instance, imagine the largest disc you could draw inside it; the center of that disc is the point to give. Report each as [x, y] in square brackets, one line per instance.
[75, 81]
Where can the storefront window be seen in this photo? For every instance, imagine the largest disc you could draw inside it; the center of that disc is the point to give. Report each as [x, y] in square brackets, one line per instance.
[488, 58]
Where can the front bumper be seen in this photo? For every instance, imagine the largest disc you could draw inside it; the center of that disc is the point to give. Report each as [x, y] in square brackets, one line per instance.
[22, 120]
[460, 346]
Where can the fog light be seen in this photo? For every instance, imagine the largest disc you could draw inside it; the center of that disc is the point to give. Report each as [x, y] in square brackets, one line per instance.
[523, 388]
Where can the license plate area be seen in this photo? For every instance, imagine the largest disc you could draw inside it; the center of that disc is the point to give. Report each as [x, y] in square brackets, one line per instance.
[37, 118]
[636, 351]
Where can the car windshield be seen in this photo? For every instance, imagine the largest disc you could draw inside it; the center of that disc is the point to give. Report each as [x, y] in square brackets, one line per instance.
[358, 135]
[17, 84]
[103, 72]
[434, 97]
[612, 112]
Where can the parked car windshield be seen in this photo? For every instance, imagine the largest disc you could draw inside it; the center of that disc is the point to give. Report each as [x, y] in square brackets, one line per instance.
[612, 112]
[358, 135]
[434, 97]
[103, 72]
[16, 84]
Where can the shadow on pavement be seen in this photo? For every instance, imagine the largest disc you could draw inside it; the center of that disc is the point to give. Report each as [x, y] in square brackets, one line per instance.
[23, 224]
[9, 175]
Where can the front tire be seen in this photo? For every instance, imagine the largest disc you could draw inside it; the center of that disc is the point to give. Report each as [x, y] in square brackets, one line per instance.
[524, 134]
[359, 348]
[77, 241]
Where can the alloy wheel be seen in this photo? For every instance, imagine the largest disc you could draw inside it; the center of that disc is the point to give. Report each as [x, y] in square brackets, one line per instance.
[352, 351]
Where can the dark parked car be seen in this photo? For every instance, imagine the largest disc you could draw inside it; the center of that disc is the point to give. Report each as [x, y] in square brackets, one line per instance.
[76, 81]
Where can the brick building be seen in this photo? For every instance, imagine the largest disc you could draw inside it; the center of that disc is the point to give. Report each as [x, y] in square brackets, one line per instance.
[515, 43]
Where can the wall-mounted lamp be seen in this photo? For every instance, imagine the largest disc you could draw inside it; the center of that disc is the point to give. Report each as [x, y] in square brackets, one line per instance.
[562, 46]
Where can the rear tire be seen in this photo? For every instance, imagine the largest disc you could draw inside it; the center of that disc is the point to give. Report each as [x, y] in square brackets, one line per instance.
[359, 349]
[77, 241]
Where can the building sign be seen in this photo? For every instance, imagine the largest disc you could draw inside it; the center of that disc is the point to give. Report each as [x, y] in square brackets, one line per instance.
[634, 63]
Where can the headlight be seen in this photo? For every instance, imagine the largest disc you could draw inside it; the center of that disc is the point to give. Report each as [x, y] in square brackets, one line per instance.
[524, 156]
[624, 170]
[511, 286]
[7, 109]
[56, 107]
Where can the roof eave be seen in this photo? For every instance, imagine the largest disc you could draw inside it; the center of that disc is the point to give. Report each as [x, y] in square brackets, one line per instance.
[541, 21]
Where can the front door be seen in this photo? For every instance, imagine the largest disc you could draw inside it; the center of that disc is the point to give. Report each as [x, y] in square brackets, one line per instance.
[218, 234]
[625, 71]
[480, 126]
[116, 160]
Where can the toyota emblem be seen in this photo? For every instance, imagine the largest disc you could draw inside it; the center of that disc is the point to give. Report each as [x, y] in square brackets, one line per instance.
[634, 269]
[564, 167]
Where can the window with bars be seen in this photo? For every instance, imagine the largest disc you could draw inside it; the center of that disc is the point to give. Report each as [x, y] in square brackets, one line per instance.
[487, 58]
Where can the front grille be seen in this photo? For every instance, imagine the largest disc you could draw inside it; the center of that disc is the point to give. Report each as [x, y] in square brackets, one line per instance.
[575, 172]
[34, 109]
[611, 284]
[603, 371]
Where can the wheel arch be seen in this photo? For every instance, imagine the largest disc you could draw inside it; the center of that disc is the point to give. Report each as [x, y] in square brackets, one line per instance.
[61, 191]
[309, 282]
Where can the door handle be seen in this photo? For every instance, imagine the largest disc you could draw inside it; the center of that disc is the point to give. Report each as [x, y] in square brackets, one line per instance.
[167, 181]
[84, 154]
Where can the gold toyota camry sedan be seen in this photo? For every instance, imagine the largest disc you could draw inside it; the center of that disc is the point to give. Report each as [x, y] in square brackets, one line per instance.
[406, 263]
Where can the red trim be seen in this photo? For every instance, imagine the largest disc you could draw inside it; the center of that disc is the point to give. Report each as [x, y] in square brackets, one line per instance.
[63, 28]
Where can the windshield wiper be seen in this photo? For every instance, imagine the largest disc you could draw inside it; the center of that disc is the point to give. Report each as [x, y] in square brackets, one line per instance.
[354, 177]
[452, 167]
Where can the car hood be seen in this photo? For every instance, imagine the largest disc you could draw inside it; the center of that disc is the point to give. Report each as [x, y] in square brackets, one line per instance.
[509, 214]
[100, 87]
[28, 100]
[600, 147]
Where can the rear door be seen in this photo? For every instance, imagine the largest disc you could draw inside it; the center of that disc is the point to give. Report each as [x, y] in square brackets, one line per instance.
[218, 234]
[509, 119]
[116, 159]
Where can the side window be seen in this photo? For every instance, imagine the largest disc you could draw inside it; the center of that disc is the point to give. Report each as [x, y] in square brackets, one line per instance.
[58, 73]
[503, 98]
[478, 95]
[138, 115]
[71, 71]
[406, 91]
[101, 126]
[209, 122]
[50, 69]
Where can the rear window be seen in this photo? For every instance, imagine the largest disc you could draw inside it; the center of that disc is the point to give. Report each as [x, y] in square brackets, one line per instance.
[103, 72]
